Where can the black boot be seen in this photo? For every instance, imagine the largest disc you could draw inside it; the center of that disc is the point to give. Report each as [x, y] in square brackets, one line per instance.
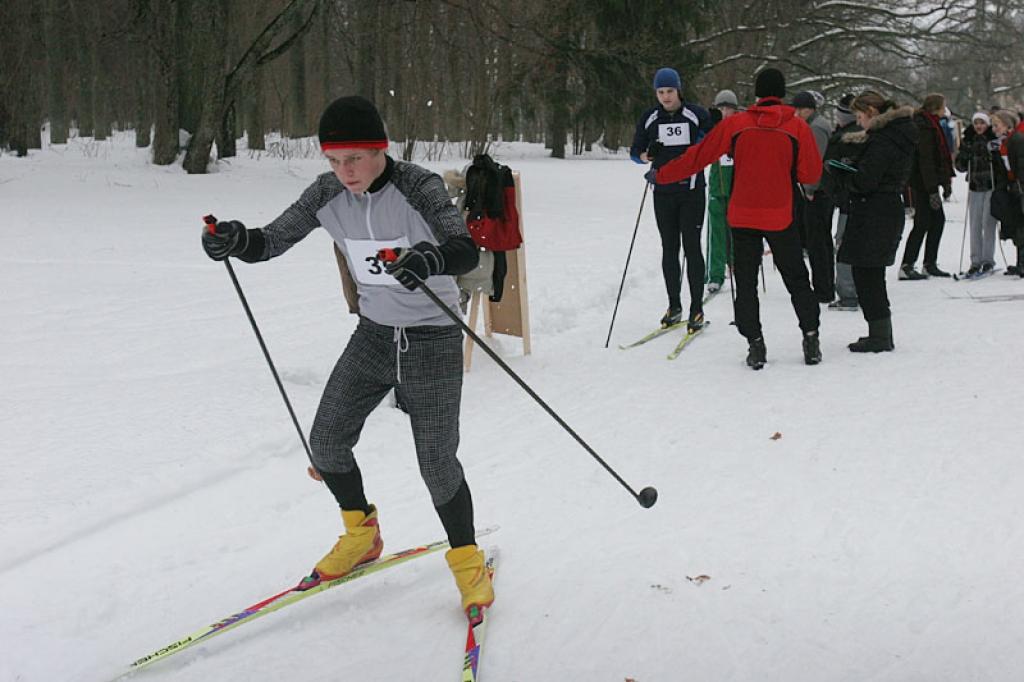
[672, 317]
[812, 348]
[908, 272]
[933, 270]
[878, 340]
[696, 321]
[757, 354]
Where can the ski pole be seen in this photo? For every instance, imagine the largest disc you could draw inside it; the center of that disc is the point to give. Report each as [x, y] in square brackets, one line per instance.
[211, 225]
[646, 497]
[963, 241]
[732, 260]
[628, 256]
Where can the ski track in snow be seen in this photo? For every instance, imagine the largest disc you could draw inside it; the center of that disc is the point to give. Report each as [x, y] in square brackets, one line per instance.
[152, 482]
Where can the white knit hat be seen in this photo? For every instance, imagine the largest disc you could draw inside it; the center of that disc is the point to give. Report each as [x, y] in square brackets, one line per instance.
[983, 116]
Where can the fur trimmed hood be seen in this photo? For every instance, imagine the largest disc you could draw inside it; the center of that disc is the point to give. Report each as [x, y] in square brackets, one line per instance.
[878, 123]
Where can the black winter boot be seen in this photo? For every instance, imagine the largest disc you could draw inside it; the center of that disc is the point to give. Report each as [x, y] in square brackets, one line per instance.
[812, 348]
[672, 317]
[757, 354]
[878, 340]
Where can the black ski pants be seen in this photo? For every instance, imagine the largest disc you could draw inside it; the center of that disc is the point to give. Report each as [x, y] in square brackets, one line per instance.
[871, 292]
[928, 223]
[680, 217]
[815, 218]
[787, 252]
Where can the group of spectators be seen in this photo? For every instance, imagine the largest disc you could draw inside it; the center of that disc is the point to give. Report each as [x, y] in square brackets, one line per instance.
[781, 171]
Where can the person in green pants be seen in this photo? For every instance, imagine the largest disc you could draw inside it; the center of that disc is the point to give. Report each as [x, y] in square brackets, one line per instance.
[719, 188]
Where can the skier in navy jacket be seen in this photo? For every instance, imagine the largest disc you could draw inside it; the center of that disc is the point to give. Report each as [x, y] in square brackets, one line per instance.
[663, 133]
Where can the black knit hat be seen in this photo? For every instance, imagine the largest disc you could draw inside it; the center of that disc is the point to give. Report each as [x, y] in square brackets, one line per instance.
[352, 122]
[804, 100]
[770, 83]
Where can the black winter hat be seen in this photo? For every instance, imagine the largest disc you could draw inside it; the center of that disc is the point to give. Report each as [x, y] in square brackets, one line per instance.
[770, 83]
[804, 100]
[352, 122]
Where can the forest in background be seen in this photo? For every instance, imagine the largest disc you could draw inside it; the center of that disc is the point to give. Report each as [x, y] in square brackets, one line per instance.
[568, 73]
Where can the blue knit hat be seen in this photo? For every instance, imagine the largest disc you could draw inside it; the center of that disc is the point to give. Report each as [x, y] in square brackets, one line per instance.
[667, 78]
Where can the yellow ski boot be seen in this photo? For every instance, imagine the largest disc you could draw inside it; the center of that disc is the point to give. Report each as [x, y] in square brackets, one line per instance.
[360, 544]
[471, 577]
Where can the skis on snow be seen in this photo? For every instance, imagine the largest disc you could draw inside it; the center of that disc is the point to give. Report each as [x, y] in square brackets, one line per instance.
[963, 276]
[478, 620]
[287, 598]
[685, 341]
[661, 331]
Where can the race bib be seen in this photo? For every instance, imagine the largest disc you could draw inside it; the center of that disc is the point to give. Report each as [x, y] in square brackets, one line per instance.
[725, 160]
[674, 134]
[366, 266]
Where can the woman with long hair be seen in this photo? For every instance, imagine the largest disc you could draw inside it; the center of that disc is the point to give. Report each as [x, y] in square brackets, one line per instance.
[887, 144]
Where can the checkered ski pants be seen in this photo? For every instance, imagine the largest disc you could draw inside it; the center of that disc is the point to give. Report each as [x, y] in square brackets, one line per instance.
[424, 366]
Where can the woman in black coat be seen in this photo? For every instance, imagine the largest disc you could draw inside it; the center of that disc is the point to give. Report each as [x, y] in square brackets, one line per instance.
[873, 230]
[1007, 200]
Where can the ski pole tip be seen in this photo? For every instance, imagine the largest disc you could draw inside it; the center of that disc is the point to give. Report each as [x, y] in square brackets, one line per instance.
[647, 497]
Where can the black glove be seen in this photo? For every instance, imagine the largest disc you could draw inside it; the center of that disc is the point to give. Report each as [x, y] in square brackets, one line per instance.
[230, 238]
[947, 191]
[653, 149]
[935, 201]
[1014, 188]
[415, 264]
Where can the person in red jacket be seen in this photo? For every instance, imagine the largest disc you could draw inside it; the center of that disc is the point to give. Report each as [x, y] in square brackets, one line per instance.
[772, 151]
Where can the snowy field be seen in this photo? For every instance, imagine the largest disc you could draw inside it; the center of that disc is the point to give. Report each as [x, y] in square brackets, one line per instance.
[151, 481]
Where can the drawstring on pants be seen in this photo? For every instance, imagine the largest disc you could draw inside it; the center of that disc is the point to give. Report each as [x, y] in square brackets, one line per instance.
[401, 346]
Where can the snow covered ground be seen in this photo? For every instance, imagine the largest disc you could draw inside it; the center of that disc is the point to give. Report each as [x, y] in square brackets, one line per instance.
[151, 481]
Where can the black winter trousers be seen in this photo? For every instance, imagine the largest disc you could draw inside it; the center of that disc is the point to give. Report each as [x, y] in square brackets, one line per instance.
[787, 252]
[816, 231]
[928, 222]
[871, 292]
[680, 217]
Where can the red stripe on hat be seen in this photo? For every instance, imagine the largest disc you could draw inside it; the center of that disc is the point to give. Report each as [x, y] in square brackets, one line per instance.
[349, 144]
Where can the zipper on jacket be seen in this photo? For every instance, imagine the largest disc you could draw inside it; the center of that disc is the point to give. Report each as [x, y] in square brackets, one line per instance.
[369, 207]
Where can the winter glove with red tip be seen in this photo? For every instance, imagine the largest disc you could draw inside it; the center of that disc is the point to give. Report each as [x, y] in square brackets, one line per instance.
[416, 264]
[230, 238]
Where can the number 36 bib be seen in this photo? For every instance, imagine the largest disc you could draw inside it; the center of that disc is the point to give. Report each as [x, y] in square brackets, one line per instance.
[366, 266]
[674, 134]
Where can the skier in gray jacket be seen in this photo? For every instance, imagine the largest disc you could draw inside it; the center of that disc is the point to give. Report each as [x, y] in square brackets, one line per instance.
[403, 341]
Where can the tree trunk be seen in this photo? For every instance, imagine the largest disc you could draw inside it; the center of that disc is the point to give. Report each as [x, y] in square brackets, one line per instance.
[228, 133]
[367, 23]
[142, 121]
[558, 112]
[165, 84]
[55, 62]
[297, 114]
[84, 47]
[255, 128]
[191, 54]
[209, 71]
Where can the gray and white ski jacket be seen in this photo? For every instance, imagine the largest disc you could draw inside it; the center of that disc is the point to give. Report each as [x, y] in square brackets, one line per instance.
[410, 207]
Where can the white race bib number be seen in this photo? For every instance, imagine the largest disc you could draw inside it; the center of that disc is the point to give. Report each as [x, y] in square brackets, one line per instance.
[366, 266]
[674, 134]
[725, 160]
